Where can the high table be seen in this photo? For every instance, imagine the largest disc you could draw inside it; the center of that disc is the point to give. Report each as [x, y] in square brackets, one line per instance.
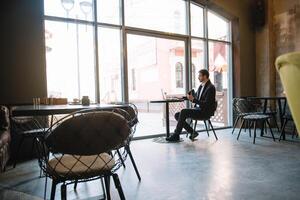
[167, 102]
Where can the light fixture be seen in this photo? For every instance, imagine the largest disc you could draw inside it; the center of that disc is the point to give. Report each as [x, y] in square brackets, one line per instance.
[86, 8]
[68, 5]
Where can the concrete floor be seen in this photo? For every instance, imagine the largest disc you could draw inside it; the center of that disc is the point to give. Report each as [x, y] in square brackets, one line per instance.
[204, 169]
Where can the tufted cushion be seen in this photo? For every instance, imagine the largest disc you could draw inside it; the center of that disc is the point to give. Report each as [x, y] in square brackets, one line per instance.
[89, 134]
[257, 117]
[80, 166]
[4, 121]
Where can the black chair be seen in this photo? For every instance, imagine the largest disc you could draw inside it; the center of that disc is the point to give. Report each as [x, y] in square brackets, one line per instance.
[257, 103]
[130, 112]
[82, 147]
[242, 108]
[26, 128]
[287, 118]
[205, 119]
[255, 119]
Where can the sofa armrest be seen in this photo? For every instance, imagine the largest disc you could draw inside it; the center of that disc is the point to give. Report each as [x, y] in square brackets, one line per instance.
[4, 118]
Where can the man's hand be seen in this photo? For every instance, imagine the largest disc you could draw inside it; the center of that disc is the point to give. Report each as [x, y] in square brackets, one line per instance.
[190, 97]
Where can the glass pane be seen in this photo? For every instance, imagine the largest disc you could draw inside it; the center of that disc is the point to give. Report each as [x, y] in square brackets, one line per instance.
[74, 9]
[70, 60]
[108, 11]
[218, 67]
[197, 61]
[156, 68]
[196, 20]
[218, 27]
[166, 15]
[110, 65]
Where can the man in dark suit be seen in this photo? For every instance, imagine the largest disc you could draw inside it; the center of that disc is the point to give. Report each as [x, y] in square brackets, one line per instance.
[204, 100]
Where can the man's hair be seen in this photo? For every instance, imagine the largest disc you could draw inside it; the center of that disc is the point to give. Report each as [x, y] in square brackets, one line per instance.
[204, 72]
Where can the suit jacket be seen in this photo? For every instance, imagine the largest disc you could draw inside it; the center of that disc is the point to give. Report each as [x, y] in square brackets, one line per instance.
[207, 101]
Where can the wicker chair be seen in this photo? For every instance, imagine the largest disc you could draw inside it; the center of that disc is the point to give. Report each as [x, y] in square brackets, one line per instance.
[241, 108]
[82, 147]
[130, 112]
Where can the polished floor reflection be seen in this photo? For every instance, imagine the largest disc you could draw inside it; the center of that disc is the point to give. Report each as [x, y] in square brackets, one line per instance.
[204, 169]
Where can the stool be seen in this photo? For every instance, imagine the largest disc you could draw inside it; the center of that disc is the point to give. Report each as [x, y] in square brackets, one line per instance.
[253, 119]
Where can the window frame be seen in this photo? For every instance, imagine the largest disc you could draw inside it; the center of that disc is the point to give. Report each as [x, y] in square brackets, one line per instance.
[147, 32]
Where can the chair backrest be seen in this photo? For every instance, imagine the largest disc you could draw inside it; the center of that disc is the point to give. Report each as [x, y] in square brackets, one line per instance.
[216, 106]
[241, 105]
[129, 112]
[88, 133]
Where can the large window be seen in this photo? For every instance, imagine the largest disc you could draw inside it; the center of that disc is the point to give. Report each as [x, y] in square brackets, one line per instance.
[136, 51]
[166, 15]
[109, 51]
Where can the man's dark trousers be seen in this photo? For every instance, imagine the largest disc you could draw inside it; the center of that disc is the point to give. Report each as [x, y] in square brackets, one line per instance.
[186, 114]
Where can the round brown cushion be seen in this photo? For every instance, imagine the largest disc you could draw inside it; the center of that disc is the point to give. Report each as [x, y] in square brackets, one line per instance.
[89, 134]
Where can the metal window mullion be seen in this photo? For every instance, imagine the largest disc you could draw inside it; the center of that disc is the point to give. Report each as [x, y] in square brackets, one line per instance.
[97, 75]
[107, 25]
[219, 41]
[230, 79]
[124, 65]
[69, 20]
[150, 32]
[205, 26]
[188, 55]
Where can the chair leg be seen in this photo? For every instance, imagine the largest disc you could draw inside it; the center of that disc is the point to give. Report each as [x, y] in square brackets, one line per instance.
[263, 129]
[206, 128]
[235, 123]
[294, 131]
[118, 186]
[246, 125]
[249, 128]
[243, 122]
[53, 189]
[195, 126]
[63, 190]
[45, 190]
[254, 136]
[133, 162]
[282, 129]
[107, 187]
[275, 121]
[75, 184]
[121, 158]
[18, 151]
[103, 188]
[212, 128]
[270, 130]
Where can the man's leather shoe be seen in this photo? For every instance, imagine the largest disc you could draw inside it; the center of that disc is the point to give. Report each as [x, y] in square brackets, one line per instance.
[173, 138]
[193, 136]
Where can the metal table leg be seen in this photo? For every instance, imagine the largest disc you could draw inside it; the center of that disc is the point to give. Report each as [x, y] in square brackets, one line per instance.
[167, 120]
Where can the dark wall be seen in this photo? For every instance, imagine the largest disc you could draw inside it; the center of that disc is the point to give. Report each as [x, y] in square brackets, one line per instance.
[22, 61]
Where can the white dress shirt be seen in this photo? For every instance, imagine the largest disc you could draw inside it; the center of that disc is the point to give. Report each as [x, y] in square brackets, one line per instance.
[202, 88]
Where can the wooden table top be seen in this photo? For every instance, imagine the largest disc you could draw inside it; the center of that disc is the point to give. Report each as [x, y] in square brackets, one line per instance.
[43, 110]
[173, 100]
